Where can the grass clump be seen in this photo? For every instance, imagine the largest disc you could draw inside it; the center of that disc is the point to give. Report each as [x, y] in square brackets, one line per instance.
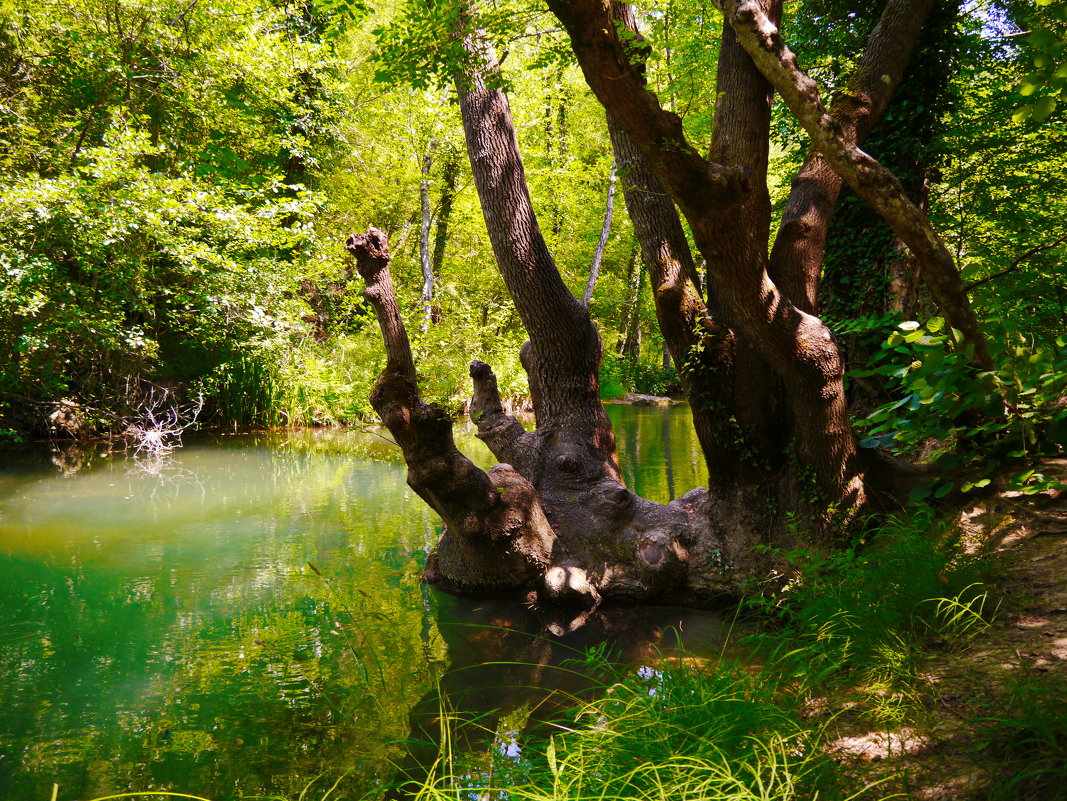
[688, 732]
[1025, 746]
[870, 615]
[683, 731]
[862, 621]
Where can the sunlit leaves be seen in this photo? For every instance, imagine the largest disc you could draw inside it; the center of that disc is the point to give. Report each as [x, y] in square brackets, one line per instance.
[979, 420]
[429, 44]
[156, 213]
[1047, 83]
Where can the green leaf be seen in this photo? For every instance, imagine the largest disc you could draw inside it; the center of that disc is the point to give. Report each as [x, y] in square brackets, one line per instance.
[1043, 109]
[947, 461]
[550, 754]
[1031, 83]
[1042, 38]
[1022, 477]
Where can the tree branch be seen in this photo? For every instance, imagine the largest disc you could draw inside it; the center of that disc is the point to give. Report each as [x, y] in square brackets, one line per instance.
[502, 433]
[797, 255]
[564, 343]
[614, 69]
[1018, 262]
[496, 537]
[866, 176]
[798, 346]
[371, 251]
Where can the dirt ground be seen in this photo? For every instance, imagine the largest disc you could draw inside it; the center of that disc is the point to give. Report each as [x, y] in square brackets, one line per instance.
[946, 756]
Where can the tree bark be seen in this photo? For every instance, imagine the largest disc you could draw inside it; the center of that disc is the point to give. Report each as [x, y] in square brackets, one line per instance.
[703, 350]
[496, 537]
[797, 256]
[564, 351]
[555, 513]
[554, 518]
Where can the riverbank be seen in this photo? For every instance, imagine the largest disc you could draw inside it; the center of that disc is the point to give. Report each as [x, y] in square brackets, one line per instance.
[929, 663]
[989, 719]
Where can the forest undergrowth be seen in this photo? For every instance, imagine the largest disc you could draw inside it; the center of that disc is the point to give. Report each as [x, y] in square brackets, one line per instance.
[928, 661]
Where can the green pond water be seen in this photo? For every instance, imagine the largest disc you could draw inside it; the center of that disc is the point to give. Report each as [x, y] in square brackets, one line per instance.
[244, 618]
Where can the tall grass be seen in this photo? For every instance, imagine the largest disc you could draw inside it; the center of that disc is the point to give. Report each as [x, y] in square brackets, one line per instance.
[717, 732]
[309, 386]
[865, 619]
[870, 615]
[1025, 745]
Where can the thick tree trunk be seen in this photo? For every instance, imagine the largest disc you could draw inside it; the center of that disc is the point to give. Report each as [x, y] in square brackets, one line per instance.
[704, 349]
[496, 536]
[554, 515]
[714, 199]
[554, 519]
[551, 522]
[760, 37]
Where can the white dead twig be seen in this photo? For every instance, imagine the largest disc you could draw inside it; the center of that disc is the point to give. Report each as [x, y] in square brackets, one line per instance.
[162, 422]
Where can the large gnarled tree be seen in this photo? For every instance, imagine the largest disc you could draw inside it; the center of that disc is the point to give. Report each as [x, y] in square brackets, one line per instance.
[763, 373]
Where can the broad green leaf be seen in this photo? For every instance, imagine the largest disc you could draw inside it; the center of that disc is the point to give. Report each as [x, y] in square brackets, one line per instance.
[1043, 108]
[1031, 83]
[1042, 38]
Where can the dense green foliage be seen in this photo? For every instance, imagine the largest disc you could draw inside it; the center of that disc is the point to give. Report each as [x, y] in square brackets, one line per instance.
[176, 180]
[866, 621]
[150, 231]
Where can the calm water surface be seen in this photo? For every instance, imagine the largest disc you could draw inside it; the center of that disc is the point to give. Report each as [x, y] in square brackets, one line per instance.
[244, 618]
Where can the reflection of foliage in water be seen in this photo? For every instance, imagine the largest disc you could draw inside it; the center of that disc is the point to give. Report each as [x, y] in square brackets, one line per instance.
[207, 657]
[164, 628]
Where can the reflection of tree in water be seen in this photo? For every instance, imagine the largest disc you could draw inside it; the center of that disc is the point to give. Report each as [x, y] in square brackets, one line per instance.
[164, 473]
[511, 681]
[668, 457]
